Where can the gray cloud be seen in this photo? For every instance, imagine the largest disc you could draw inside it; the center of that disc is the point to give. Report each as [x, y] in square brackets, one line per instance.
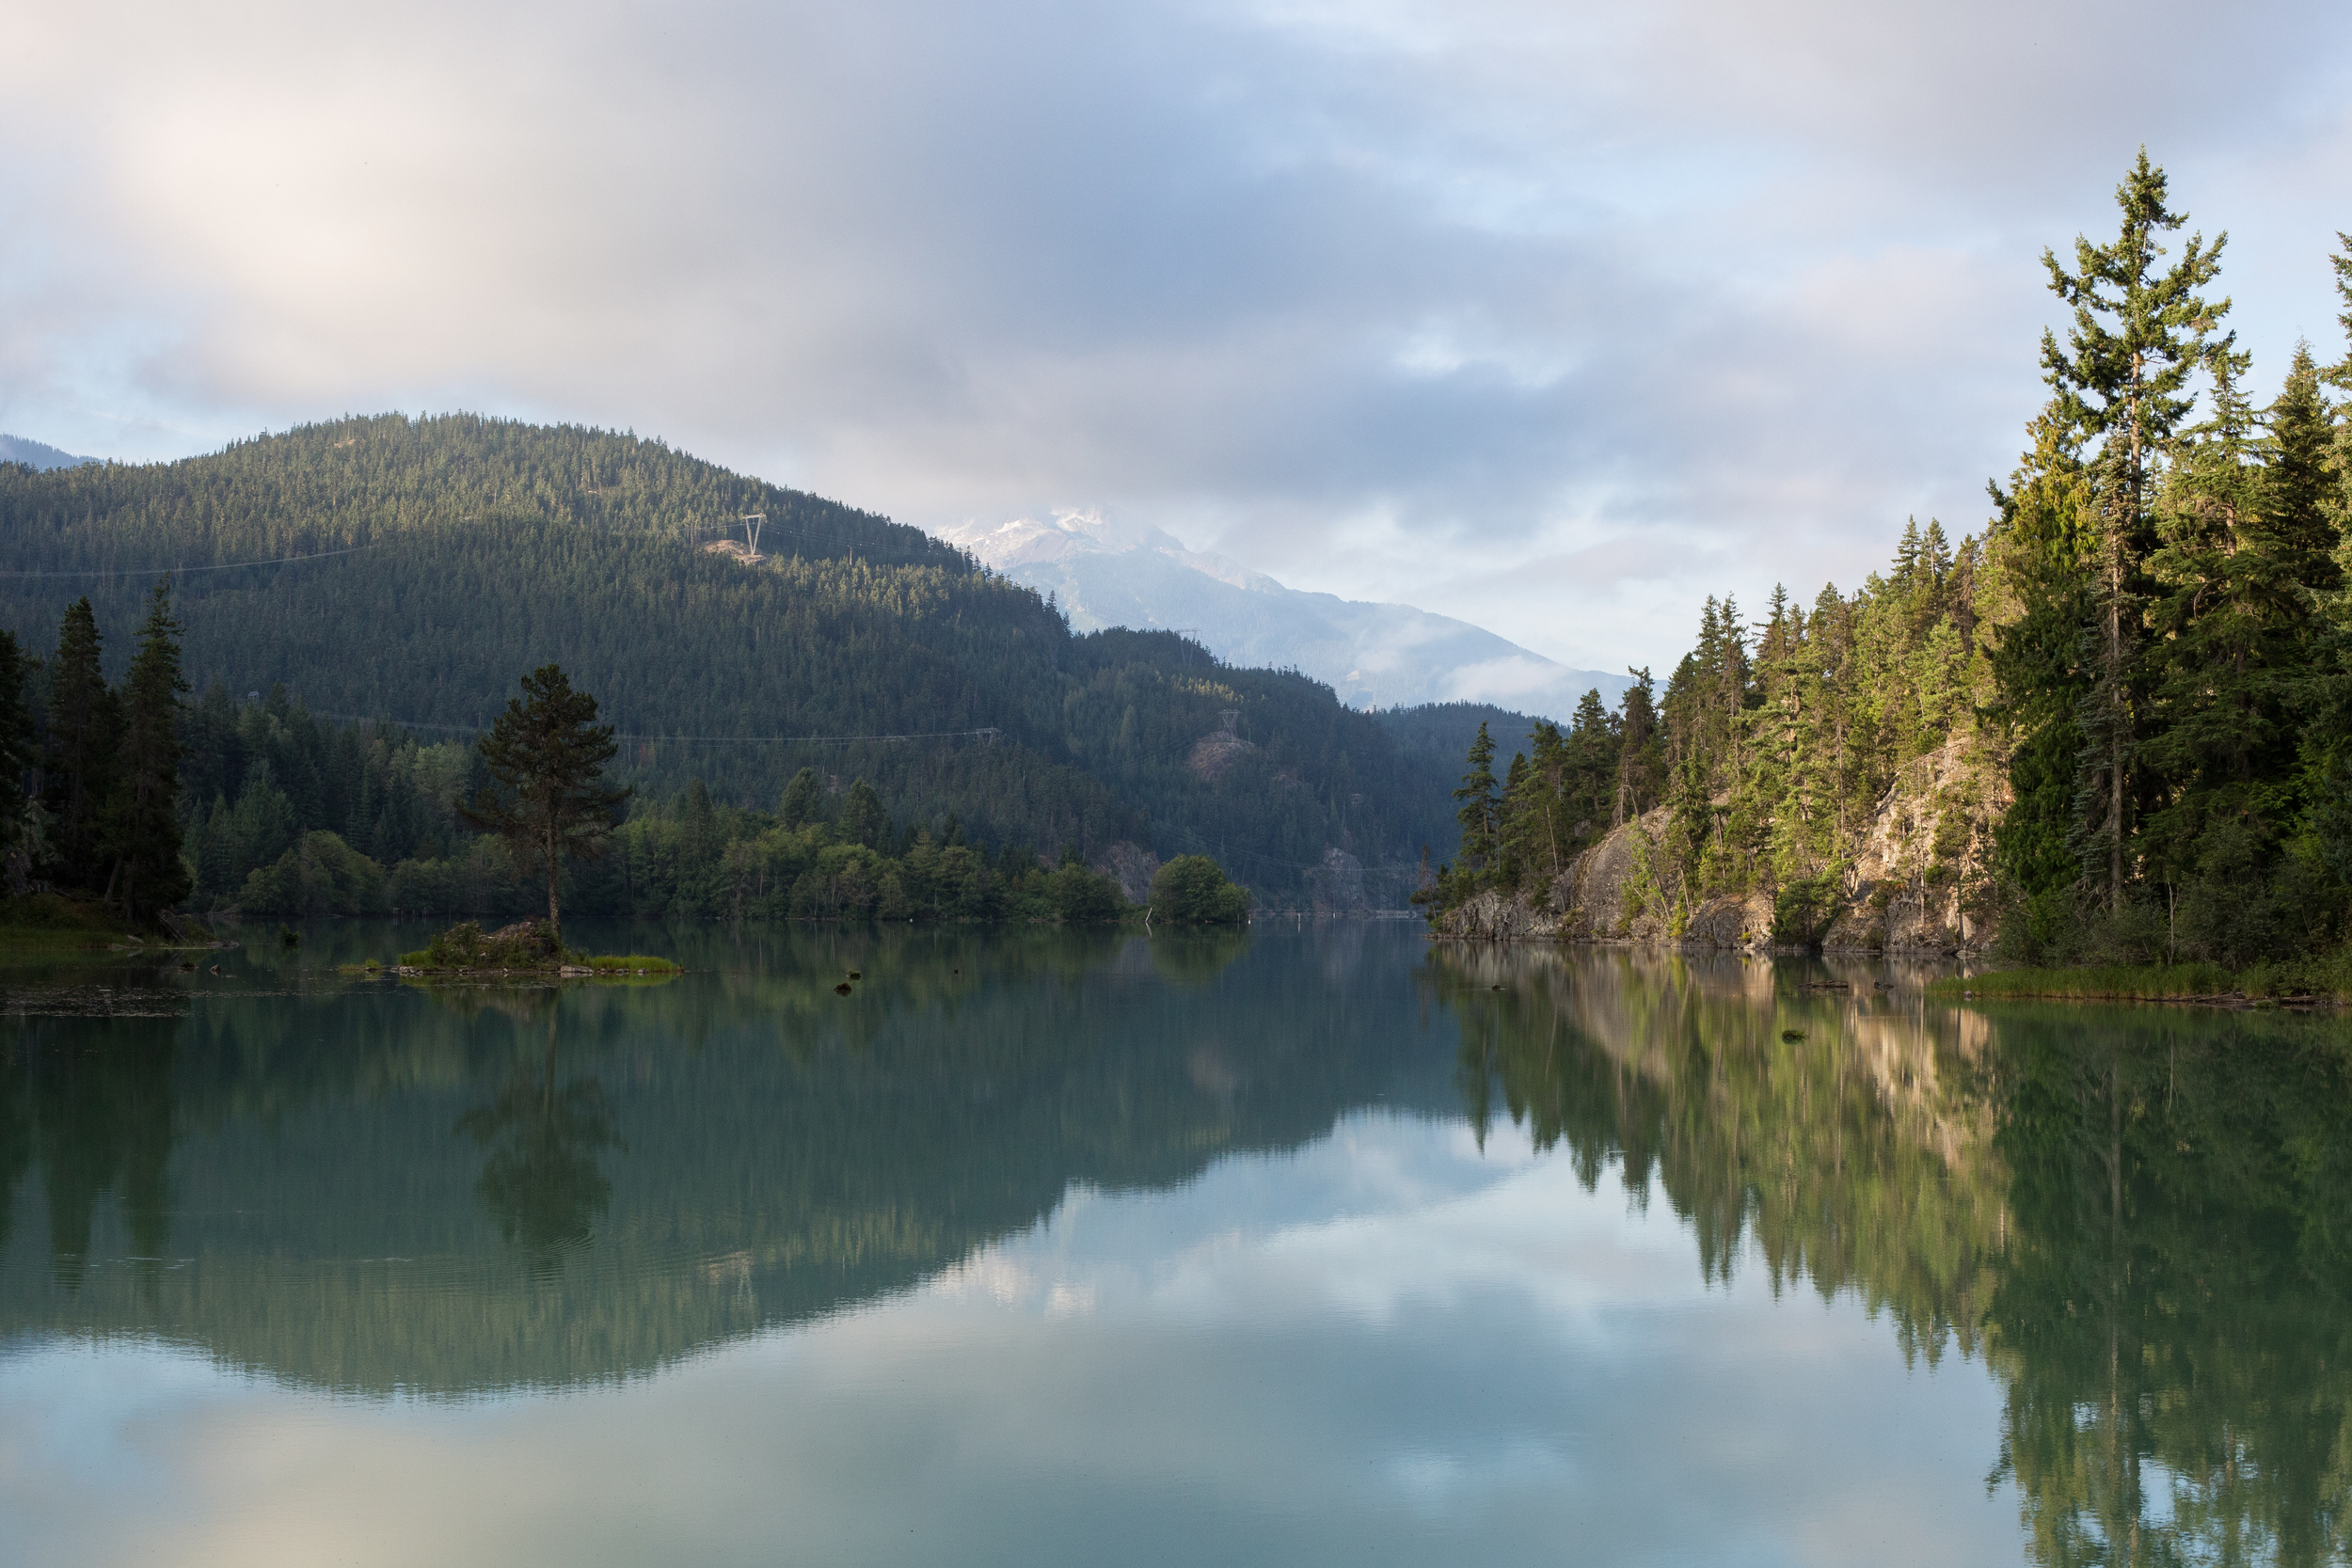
[1549, 317]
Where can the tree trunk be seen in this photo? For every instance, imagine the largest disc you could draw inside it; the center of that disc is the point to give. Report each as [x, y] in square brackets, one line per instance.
[2115, 748]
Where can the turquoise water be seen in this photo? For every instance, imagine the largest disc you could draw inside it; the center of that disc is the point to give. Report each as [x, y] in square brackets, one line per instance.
[1312, 1244]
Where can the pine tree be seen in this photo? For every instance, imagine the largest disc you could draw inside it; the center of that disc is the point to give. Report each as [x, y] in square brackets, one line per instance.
[803, 799]
[1521, 824]
[2122, 387]
[142, 820]
[1477, 813]
[546, 754]
[1640, 764]
[863, 820]
[18, 752]
[84, 726]
[2299, 454]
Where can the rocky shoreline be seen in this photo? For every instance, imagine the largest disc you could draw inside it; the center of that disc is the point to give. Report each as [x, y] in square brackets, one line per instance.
[1906, 891]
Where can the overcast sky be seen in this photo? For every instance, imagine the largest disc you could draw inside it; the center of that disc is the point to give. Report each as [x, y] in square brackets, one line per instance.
[1553, 317]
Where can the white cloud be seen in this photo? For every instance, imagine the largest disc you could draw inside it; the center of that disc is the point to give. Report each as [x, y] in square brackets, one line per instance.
[1550, 317]
[1388, 1341]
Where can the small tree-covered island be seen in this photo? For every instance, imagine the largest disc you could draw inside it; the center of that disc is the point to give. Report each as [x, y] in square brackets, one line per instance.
[2106, 743]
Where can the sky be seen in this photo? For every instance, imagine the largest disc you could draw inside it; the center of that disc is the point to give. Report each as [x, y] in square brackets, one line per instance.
[1556, 318]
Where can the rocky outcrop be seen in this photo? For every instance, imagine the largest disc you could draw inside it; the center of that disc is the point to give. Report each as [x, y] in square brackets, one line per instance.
[1920, 873]
[1914, 883]
[1336, 886]
[1132, 866]
[1217, 750]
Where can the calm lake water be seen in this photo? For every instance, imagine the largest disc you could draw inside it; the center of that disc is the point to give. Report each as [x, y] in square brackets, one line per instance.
[1306, 1245]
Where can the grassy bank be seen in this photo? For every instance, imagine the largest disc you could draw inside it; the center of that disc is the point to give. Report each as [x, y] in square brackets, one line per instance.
[601, 966]
[45, 922]
[527, 947]
[2326, 979]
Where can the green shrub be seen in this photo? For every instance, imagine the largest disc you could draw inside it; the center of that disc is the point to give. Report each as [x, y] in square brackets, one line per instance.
[1193, 890]
[1803, 911]
[1079, 897]
[320, 875]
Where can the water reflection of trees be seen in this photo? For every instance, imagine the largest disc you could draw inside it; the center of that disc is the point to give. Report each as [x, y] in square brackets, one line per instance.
[2139, 1219]
[90, 1111]
[2174, 1308]
[542, 1178]
[363, 1160]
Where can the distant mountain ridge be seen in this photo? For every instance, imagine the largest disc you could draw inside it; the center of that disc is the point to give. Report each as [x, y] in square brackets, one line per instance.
[412, 569]
[1106, 573]
[38, 454]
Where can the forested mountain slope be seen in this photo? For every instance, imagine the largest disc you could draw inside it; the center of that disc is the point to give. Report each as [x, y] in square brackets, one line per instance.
[412, 569]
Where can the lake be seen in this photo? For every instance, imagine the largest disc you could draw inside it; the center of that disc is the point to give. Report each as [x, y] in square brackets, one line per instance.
[1304, 1245]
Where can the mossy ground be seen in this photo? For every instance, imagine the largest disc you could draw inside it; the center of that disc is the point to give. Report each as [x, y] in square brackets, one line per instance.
[51, 923]
[2323, 978]
[528, 947]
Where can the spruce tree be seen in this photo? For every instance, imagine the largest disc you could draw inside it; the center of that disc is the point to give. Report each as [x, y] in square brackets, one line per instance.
[2120, 383]
[18, 753]
[1477, 813]
[1521, 824]
[142, 815]
[803, 798]
[2046, 533]
[84, 729]
[1640, 764]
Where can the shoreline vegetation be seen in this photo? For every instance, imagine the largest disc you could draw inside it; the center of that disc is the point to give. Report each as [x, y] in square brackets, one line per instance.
[2104, 746]
[2313, 983]
[104, 773]
[49, 923]
[530, 948]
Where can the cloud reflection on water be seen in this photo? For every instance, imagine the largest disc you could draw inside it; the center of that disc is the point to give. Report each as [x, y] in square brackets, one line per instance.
[1385, 1346]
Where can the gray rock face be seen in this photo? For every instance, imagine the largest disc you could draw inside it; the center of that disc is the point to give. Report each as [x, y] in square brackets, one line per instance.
[1338, 884]
[1132, 866]
[1914, 883]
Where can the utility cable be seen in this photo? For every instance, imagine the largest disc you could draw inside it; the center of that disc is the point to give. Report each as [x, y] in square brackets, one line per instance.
[185, 571]
[989, 733]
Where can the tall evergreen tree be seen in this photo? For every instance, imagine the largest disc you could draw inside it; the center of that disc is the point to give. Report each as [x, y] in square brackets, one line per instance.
[142, 818]
[1477, 812]
[546, 754]
[18, 753]
[803, 799]
[1640, 765]
[84, 726]
[2120, 384]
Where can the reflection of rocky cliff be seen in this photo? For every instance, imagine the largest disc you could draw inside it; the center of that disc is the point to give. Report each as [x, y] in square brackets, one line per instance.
[383, 1188]
[1850, 1154]
[2136, 1216]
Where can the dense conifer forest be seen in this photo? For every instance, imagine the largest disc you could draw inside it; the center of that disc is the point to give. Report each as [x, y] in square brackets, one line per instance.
[2136, 682]
[353, 600]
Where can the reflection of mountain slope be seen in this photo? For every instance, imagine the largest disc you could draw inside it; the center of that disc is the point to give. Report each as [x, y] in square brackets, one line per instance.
[1372, 655]
[775, 1152]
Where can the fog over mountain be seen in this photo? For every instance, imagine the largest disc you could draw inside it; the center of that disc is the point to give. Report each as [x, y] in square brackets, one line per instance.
[1107, 573]
[16, 449]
